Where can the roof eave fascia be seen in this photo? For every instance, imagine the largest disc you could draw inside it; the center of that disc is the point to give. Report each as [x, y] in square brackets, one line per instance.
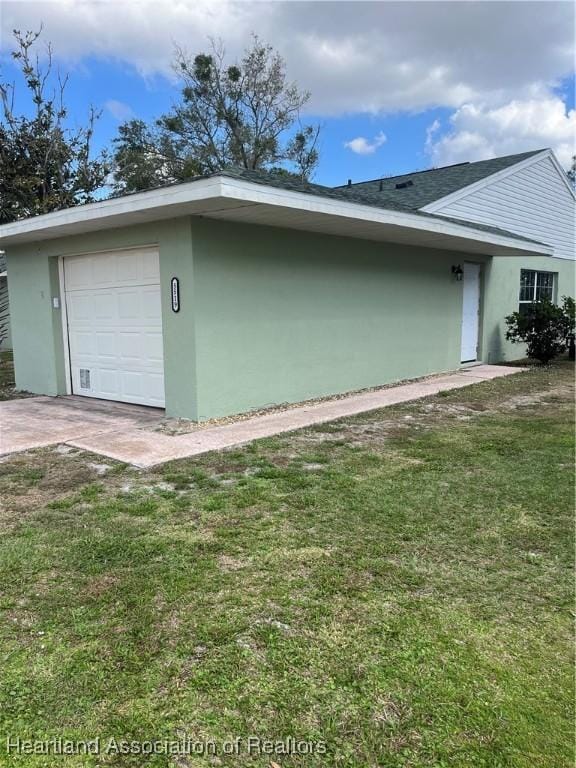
[140, 201]
[240, 189]
[562, 173]
[227, 187]
[442, 202]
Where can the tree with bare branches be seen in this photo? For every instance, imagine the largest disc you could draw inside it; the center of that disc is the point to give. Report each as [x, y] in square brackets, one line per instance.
[245, 115]
[45, 165]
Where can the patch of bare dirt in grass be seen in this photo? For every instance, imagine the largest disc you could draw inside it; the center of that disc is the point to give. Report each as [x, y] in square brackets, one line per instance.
[99, 585]
[365, 433]
[561, 393]
[310, 437]
[389, 712]
[412, 419]
[410, 740]
[222, 464]
[186, 670]
[189, 531]
[227, 563]
[32, 480]
[453, 409]
[296, 558]
[400, 459]
[20, 619]
[41, 477]
[45, 582]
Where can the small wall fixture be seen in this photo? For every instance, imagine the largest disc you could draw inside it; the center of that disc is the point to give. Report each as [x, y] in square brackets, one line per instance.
[175, 294]
[458, 272]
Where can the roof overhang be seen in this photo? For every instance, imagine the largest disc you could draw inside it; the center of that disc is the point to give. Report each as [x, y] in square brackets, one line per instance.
[231, 199]
[436, 206]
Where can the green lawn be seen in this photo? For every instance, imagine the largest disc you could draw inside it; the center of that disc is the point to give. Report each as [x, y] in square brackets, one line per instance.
[397, 586]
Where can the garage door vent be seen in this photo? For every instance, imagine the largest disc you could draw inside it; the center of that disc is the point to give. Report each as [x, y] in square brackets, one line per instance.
[84, 378]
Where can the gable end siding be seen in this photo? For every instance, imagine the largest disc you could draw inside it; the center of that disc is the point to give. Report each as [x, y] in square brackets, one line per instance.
[533, 202]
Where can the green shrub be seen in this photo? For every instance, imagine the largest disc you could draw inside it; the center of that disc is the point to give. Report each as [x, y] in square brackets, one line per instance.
[545, 328]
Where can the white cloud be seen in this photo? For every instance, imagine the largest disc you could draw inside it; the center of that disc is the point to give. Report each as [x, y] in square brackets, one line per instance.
[362, 146]
[479, 131]
[119, 110]
[353, 56]
[431, 131]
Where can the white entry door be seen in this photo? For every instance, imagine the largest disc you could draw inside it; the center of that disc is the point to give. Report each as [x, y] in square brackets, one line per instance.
[115, 325]
[470, 312]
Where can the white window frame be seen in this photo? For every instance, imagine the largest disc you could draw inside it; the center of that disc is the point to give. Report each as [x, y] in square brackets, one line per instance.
[537, 272]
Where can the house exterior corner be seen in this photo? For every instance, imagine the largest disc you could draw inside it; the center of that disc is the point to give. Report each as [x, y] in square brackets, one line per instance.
[501, 298]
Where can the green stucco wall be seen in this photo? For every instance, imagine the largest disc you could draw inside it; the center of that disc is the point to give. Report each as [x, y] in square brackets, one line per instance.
[285, 315]
[34, 325]
[501, 289]
[270, 316]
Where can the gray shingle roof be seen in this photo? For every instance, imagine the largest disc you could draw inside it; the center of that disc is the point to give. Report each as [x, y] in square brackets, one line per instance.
[283, 181]
[348, 194]
[431, 185]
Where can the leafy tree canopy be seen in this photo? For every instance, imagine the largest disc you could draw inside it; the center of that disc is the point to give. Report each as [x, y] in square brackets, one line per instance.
[44, 164]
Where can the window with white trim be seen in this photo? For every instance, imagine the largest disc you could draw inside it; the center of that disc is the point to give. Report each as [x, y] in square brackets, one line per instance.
[535, 286]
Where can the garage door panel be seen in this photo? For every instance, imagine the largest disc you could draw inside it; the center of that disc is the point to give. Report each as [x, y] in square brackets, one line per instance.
[132, 383]
[128, 269]
[89, 305]
[78, 273]
[150, 265]
[80, 307]
[153, 343]
[112, 269]
[143, 348]
[155, 388]
[152, 305]
[104, 305]
[102, 270]
[106, 345]
[115, 326]
[129, 305]
[82, 343]
[107, 382]
[130, 345]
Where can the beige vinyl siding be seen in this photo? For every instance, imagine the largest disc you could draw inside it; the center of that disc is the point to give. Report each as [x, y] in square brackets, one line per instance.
[534, 201]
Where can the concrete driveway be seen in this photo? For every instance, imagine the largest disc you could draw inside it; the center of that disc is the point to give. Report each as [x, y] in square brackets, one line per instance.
[34, 422]
[128, 432]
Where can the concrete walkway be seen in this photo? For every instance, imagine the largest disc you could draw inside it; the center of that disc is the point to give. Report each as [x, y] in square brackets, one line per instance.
[145, 448]
[128, 432]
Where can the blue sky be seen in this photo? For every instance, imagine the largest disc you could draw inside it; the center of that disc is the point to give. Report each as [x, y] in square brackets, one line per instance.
[102, 82]
[387, 104]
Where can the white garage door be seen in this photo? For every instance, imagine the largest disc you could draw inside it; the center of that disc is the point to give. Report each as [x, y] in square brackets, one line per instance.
[115, 325]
